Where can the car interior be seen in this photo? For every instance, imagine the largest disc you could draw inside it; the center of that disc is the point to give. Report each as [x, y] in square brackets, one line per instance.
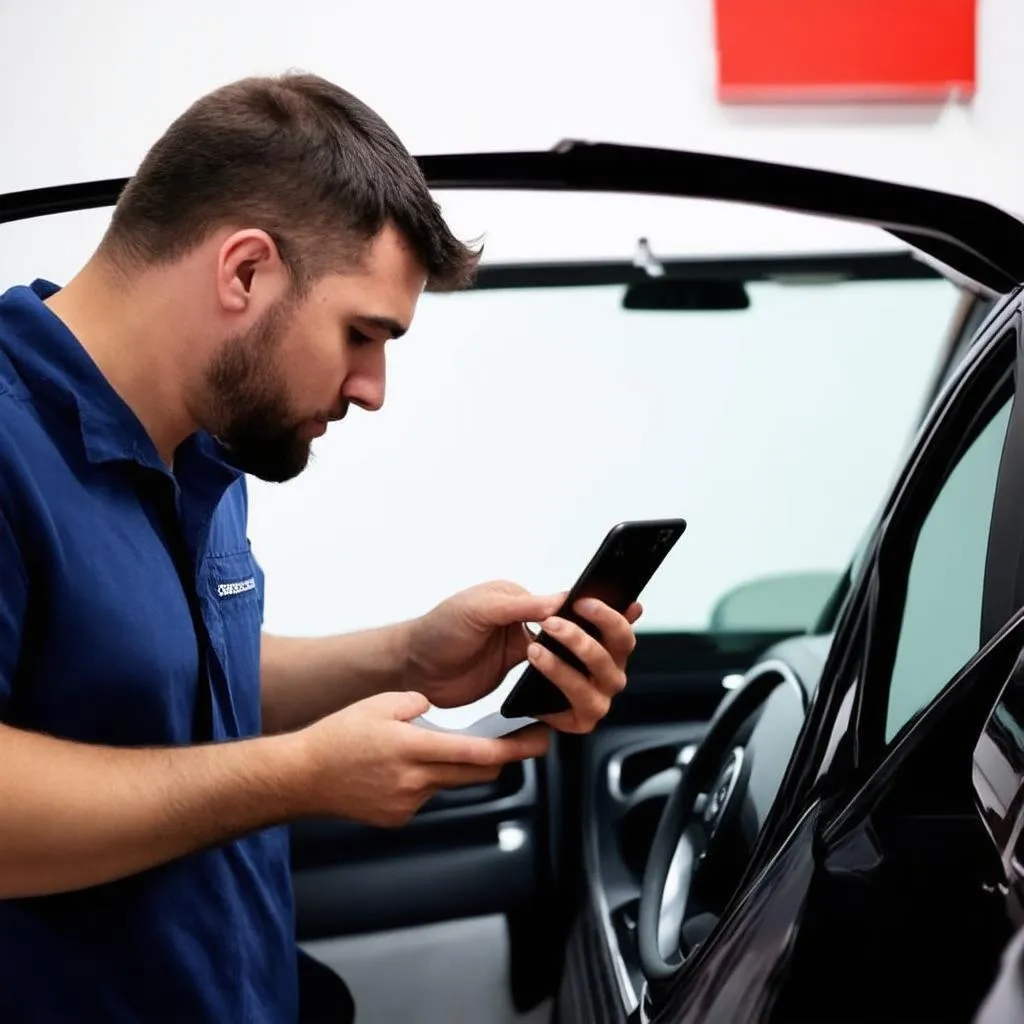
[817, 360]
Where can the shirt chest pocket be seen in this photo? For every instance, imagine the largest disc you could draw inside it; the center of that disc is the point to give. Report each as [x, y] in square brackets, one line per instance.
[232, 586]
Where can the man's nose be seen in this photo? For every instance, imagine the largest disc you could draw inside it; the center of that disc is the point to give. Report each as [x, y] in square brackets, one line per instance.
[365, 390]
[364, 385]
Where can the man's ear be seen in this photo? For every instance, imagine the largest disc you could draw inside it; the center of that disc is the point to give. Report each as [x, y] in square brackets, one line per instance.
[247, 261]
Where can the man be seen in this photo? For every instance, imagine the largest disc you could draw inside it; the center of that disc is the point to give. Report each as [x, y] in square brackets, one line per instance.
[153, 743]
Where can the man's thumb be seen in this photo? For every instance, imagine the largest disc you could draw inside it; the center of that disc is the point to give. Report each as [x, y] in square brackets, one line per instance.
[532, 607]
[404, 706]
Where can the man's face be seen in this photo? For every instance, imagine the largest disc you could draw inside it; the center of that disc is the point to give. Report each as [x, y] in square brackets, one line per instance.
[274, 387]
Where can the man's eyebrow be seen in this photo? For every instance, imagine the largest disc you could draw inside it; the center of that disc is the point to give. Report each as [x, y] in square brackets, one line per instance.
[384, 323]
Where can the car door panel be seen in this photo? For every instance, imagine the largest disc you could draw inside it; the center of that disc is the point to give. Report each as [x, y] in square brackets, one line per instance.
[866, 899]
[469, 852]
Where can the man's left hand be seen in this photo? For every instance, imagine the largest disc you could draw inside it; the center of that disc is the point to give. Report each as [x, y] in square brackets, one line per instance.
[462, 649]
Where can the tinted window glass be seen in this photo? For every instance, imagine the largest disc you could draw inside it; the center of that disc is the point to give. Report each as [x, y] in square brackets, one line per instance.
[942, 616]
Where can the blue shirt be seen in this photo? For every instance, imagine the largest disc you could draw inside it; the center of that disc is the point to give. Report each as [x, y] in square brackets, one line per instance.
[130, 615]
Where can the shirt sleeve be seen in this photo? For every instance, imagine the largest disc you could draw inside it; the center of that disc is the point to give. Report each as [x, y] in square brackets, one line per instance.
[13, 602]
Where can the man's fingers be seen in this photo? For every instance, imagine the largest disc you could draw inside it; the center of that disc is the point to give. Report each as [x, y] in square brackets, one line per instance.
[512, 605]
[428, 779]
[602, 669]
[403, 706]
[616, 630]
[512, 608]
[449, 776]
[590, 698]
[532, 741]
[457, 749]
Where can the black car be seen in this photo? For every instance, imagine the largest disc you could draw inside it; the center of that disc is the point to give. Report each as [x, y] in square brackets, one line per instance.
[808, 815]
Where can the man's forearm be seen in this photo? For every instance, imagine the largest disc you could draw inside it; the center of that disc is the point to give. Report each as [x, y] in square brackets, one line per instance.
[302, 679]
[74, 815]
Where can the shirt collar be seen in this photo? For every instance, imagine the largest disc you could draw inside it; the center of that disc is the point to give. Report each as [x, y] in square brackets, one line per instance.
[52, 364]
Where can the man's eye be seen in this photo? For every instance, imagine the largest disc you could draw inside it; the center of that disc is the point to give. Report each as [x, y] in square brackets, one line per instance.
[357, 337]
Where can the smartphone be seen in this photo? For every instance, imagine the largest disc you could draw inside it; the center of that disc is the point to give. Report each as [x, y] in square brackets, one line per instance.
[622, 566]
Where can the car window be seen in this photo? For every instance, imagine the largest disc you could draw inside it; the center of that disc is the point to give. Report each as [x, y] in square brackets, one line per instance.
[941, 626]
[969, 329]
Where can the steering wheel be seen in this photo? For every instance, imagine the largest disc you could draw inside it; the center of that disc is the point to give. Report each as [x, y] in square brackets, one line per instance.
[687, 831]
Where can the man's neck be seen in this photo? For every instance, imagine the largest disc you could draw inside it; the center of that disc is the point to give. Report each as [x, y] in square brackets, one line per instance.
[128, 335]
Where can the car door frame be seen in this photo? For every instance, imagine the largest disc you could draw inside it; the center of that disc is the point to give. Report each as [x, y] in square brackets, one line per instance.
[916, 486]
[840, 741]
[976, 240]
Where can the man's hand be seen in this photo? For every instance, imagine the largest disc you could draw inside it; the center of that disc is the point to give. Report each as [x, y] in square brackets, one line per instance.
[462, 649]
[367, 763]
[74, 815]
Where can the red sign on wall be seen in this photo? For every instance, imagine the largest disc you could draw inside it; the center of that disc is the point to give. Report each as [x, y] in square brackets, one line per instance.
[845, 50]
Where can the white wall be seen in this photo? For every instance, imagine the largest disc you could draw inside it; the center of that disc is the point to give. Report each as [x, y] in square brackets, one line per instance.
[86, 89]
[87, 86]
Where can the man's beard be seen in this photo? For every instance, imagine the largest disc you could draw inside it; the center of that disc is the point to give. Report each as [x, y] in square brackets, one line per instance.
[249, 404]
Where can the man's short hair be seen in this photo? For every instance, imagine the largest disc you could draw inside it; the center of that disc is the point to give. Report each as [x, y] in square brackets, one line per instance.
[298, 157]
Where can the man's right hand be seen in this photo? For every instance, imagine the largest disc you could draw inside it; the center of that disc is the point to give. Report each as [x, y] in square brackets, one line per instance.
[367, 763]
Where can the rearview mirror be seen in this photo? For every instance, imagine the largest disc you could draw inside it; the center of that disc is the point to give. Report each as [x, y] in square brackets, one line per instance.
[681, 295]
[790, 602]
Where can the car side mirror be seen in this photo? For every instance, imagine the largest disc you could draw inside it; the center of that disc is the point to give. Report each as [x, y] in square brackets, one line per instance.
[785, 603]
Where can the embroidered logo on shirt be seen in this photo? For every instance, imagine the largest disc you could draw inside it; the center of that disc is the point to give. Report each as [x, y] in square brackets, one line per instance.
[236, 587]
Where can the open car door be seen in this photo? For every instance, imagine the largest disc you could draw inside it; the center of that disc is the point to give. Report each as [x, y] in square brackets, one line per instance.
[548, 844]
